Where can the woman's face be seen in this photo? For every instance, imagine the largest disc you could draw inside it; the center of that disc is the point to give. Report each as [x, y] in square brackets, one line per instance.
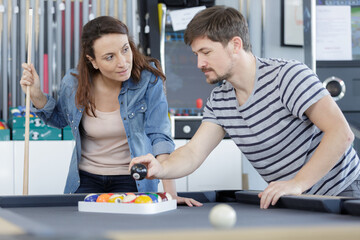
[113, 57]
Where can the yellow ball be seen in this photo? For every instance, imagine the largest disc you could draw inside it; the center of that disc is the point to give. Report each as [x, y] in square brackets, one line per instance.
[143, 199]
[116, 198]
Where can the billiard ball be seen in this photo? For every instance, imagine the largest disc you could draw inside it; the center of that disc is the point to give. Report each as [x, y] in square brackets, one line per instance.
[143, 199]
[91, 197]
[103, 197]
[156, 197]
[138, 171]
[168, 196]
[129, 198]
[116, 198]
[222, 216]
[164, 196]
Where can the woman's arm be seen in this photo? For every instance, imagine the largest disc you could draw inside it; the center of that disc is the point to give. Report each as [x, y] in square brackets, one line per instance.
[170, 187]
[31, 78]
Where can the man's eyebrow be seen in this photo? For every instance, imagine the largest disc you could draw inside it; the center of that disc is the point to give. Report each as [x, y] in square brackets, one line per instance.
[202, 49]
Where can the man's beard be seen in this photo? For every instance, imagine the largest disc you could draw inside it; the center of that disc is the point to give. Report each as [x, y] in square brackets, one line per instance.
[218, 79]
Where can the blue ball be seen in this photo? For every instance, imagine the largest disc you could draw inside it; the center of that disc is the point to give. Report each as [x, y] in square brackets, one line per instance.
[154, 197]
[91, 197]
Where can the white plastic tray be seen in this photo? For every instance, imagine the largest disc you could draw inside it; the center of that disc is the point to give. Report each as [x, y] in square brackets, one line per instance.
[127, 208]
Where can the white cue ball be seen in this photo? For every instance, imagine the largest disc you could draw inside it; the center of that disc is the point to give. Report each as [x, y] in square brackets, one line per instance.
[222, 216]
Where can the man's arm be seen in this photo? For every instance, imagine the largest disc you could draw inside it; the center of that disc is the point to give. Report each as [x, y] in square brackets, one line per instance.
[187, 158]
[327, 116]
[338, 136]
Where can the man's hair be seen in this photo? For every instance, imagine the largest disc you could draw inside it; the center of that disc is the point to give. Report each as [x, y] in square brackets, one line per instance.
[219, 24]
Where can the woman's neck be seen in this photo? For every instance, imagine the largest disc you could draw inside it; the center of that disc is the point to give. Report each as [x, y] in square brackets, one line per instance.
[106, 94]
[104, 84]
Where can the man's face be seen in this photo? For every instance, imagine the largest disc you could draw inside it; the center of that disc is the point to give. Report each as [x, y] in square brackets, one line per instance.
[214, 60]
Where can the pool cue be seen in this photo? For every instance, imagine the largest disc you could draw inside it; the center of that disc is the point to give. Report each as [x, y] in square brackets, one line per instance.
[27, 112]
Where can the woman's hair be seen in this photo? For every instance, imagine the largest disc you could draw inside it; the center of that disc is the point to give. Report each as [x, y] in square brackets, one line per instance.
[92, 31]
[219, 24]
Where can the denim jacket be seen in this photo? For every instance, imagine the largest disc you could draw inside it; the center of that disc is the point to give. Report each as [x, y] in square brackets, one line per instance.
[143, 109]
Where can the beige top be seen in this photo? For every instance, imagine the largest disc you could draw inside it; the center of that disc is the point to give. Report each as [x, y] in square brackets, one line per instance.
[105, 150]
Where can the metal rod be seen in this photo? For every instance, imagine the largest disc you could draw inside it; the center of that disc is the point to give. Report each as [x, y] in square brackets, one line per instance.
[32, 6]
[85, 11]
[13, 43]
[5, 61]
[67, 35]
[41, 44]
[263, 16]
[162, 8]
[1, 54]
[111, 8]
[102, 8]
[50, 45]
[93, 9]
[130, 16]
[120, 10]
[76, 31]
[58, 59]
[313, 35]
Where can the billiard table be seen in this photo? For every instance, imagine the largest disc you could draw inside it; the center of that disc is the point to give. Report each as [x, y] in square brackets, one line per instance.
[293, 217]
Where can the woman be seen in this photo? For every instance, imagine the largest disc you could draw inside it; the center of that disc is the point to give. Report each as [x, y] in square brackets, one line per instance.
[116, 107]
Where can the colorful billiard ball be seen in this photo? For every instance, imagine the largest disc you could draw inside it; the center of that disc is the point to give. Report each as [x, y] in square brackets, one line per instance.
[222, 216]
[116, 198]
[138, 171]
[103, 197]
[92, 197]
[164, 197]
[143, 199]
[168, 196]
[129, 198]
[155, 198]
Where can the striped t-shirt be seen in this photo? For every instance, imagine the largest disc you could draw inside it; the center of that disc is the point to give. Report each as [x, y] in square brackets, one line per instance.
[271, 129]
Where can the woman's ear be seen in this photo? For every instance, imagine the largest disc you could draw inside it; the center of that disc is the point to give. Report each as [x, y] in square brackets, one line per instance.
[92, 61]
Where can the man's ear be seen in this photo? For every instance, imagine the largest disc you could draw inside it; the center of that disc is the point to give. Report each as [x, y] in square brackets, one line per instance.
[92, 61]
[237, 44]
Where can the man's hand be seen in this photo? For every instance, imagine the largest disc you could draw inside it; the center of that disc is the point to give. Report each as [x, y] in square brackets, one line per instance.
[277, 189]
[154, 167]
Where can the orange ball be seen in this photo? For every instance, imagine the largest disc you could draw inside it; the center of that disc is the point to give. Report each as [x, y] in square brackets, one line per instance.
[103, 197]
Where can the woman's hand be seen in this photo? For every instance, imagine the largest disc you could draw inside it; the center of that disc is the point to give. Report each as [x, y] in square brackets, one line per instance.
[188, 201]
[29, 78]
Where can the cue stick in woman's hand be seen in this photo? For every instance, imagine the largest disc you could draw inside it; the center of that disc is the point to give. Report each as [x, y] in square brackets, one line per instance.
[27, 112]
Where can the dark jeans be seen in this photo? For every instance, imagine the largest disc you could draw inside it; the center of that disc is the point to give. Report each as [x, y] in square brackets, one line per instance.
[93, 183]
[353, 190]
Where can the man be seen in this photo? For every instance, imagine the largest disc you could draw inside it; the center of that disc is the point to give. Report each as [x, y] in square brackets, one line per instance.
[276, 111]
